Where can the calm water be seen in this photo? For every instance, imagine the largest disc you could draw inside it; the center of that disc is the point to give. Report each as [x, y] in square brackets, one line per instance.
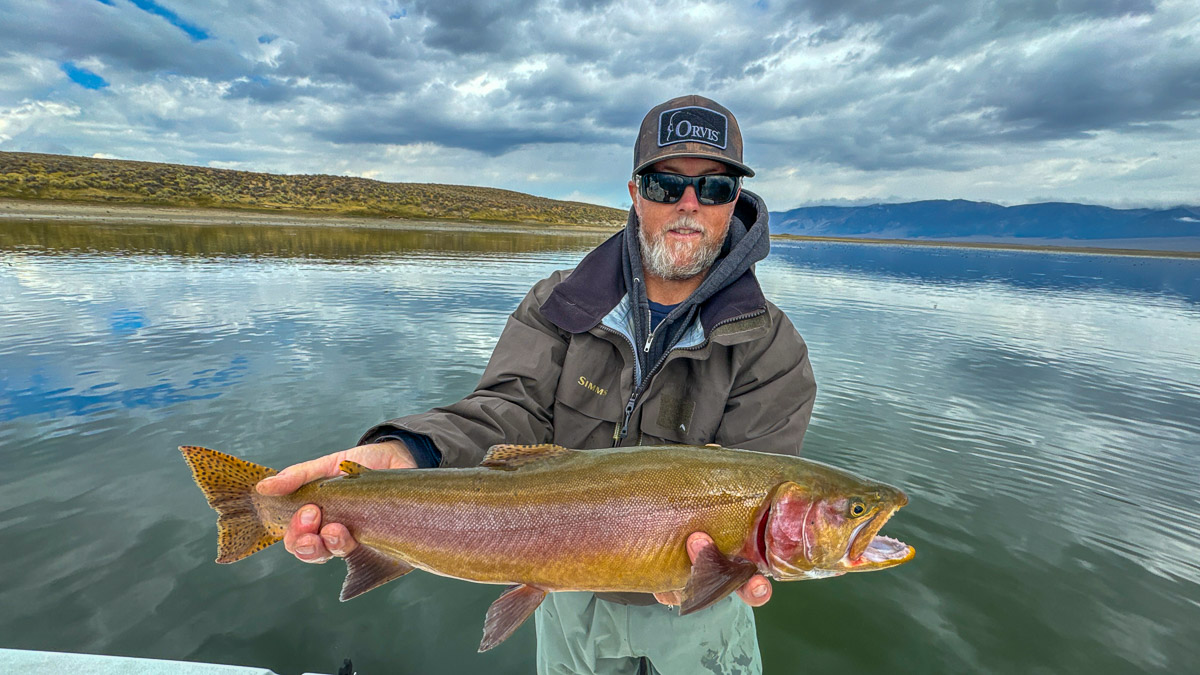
[1042, 410]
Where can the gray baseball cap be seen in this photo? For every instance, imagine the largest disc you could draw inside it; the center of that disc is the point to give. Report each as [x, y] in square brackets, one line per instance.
[690, 126]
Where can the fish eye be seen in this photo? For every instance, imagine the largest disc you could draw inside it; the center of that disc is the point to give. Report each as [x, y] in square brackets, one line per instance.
[857, 508]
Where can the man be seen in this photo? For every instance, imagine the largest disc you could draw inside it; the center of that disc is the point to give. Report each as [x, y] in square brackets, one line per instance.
[660, 335]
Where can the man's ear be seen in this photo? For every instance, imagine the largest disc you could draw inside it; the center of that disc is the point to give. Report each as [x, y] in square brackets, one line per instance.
[633, 194]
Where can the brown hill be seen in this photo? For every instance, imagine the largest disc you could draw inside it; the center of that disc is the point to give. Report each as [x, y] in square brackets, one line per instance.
[60, 177]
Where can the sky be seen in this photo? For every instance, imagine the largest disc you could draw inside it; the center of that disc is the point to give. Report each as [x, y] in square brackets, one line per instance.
[839, 101]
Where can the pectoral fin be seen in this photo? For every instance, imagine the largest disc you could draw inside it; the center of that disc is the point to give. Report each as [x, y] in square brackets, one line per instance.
[367, 568]
[508, 612]
[713, 577]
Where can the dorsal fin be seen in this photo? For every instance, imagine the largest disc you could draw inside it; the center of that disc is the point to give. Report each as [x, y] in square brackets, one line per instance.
[512, 456]
[352, 468]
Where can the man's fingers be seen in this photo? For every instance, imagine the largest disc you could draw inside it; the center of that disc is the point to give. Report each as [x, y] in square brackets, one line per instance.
[290, 479]
[696, 543]
[311, 549]
[338, 540]
[305, 521]
[756, 592]
[672, 598]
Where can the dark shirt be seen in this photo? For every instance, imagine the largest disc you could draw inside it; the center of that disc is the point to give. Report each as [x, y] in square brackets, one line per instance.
[658, 313]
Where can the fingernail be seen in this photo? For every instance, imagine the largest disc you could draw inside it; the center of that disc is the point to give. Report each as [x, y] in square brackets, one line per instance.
[332, 543]
[759, 590]
[305, 550]
[308, 516]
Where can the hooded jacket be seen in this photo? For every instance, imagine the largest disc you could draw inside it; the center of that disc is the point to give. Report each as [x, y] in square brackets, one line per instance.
[567, 368]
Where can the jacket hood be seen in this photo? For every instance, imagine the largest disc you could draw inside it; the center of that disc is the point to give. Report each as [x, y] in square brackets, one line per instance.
[614, 269]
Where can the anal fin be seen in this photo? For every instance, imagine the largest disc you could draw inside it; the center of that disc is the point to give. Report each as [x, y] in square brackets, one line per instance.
[367, 568]
[713, 577]
[508, 612]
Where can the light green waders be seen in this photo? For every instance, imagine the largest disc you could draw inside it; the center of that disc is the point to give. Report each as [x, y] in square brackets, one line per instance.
[579, 634]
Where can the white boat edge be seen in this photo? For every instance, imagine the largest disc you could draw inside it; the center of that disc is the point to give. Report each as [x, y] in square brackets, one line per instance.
[29, 662]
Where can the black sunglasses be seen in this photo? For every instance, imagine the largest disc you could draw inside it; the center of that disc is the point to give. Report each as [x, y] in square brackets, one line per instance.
[667, 188]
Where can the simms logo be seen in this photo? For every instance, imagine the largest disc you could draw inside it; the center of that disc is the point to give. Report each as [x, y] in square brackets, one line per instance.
[699, 125]
[586, 384]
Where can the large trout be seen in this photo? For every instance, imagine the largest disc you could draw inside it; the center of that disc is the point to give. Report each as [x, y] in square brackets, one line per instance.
[544, 518]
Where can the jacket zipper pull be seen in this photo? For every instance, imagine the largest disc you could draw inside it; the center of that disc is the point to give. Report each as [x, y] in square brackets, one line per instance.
[624, 428]
[650, 335]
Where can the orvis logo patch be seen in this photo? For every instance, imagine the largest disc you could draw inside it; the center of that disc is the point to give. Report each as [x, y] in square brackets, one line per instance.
[695, 124]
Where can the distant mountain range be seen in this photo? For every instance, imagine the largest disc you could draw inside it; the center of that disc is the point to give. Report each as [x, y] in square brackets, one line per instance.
[1052, 224]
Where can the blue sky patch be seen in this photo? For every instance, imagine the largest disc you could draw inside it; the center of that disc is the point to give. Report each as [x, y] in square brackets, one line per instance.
[195, 32]
[83, 77]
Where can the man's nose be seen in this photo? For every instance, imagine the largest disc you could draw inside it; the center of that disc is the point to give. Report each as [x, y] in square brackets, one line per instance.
[689, 201]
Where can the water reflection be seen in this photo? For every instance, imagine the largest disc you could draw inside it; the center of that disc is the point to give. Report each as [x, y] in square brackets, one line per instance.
[1059, 272]
[1040, 423]
[1039, 410]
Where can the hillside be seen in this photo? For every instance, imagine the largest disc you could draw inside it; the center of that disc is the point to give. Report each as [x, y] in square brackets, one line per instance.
[960, 220]
[60, 177]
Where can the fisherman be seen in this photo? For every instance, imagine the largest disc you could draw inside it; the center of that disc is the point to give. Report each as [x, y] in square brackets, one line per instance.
[660, 335]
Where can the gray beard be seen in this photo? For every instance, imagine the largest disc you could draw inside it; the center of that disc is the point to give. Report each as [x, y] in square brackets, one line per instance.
[657, 258]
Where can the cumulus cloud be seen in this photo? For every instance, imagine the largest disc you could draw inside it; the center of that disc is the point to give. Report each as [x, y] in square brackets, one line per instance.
[838, 100]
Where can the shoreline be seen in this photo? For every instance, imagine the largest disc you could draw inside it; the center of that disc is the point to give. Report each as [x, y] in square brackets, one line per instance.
[145, 214]
[998, 246]
[131, 214]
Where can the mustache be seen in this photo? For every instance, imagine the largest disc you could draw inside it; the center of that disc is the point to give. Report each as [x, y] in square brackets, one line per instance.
[685, 224]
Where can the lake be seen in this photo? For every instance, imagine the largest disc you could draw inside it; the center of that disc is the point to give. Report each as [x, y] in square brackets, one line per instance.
[1042, 411]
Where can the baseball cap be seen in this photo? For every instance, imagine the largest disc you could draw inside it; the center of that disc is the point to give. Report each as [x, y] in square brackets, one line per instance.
[689, 126]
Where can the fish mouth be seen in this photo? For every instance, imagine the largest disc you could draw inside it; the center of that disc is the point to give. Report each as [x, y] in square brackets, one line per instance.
[885, 551]
[869, 550]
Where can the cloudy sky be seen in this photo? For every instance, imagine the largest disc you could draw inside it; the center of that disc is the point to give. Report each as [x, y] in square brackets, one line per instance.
[840, 101]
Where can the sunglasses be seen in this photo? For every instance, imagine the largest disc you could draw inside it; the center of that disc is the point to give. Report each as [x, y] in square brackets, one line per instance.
[667, 188]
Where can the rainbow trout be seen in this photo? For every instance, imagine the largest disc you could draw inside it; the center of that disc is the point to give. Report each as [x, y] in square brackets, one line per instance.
[545, 518]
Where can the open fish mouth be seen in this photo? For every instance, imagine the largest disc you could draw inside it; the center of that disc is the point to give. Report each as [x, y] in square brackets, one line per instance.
[867, 549]
[885, 550]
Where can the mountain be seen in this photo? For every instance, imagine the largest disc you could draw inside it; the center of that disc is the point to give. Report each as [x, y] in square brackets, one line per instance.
[26, 175]
[1051, 223]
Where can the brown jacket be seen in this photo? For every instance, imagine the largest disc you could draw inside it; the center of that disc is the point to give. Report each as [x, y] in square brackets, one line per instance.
[561, 373]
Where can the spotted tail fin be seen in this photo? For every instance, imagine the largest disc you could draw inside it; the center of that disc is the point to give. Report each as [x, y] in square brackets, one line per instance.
[228, 484]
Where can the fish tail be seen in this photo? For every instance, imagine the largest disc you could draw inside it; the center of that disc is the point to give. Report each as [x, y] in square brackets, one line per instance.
[228, 484]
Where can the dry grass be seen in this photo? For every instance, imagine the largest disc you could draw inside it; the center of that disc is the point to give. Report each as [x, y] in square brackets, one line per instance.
[65, 178]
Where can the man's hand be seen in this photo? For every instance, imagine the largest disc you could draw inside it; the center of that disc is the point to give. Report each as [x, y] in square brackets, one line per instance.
[755, 592]
[306, 537]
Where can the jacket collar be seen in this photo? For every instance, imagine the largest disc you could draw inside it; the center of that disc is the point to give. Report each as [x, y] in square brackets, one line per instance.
[582, 300]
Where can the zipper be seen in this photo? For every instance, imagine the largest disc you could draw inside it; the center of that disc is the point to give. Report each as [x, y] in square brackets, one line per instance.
[650, 332]
[622, 430]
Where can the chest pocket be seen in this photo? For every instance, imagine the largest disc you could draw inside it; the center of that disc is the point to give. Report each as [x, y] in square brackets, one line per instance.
[685, 404]
[590, 400]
